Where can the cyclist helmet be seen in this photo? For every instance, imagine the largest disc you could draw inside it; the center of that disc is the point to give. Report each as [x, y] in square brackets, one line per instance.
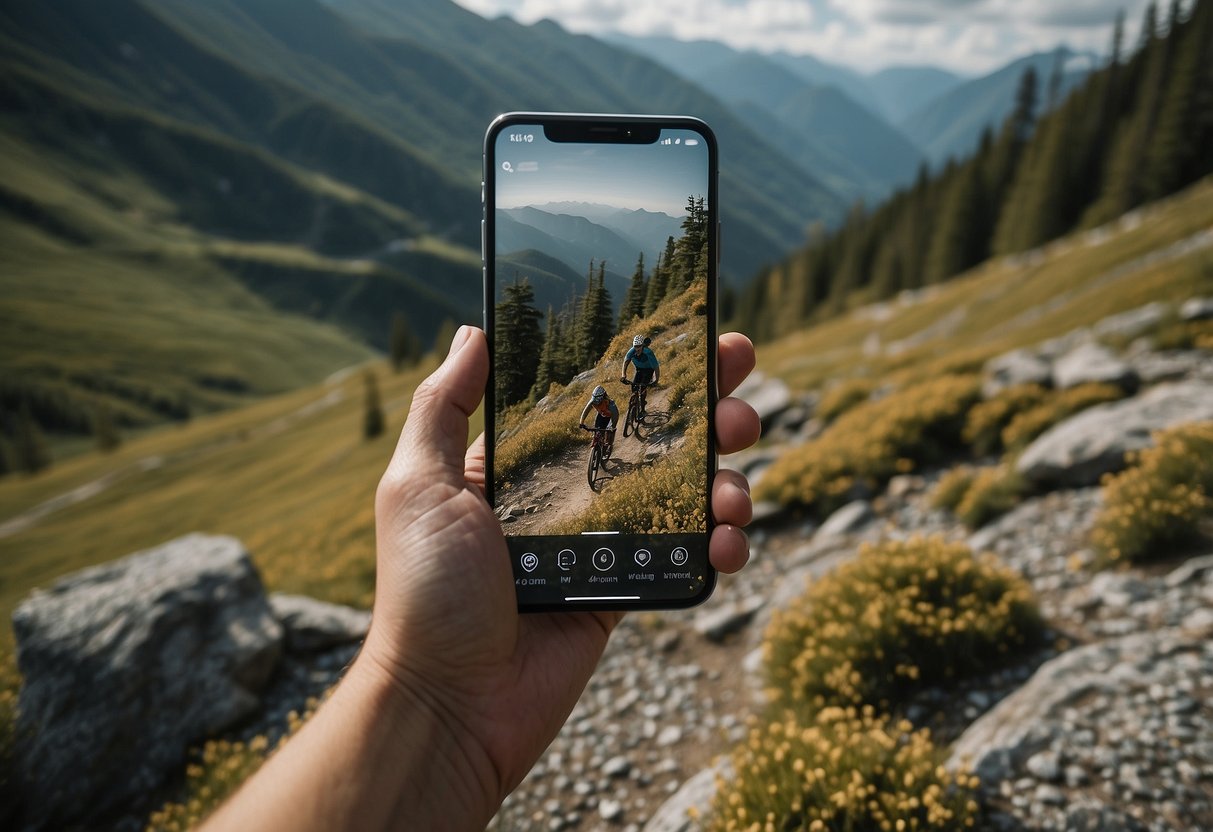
[638, 341]
[599, 393]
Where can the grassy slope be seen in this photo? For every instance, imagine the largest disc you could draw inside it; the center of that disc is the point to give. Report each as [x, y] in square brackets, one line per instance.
[295, 485]
[1008, 303]
[108, 294]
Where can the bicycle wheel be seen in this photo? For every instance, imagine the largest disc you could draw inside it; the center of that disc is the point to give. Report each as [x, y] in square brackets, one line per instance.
[629, 423]
[592, 468]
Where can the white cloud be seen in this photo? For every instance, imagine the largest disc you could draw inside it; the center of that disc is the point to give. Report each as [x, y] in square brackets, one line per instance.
[968, 36]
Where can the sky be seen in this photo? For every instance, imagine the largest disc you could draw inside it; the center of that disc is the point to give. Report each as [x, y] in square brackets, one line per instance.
[654, 177]
[969, 37]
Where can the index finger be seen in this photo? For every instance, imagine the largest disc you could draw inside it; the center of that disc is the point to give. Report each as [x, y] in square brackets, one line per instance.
[735, 352]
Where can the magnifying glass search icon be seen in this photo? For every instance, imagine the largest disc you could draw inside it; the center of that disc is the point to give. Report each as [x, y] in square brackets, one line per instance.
[507, 167]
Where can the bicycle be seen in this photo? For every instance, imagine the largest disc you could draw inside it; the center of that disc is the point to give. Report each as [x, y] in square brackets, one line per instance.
[598, 455]
[636, 403]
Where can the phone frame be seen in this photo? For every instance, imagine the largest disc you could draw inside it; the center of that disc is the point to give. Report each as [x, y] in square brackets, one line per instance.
[622, 129]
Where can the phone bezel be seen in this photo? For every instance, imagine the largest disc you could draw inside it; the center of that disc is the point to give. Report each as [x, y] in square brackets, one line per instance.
[602, 126]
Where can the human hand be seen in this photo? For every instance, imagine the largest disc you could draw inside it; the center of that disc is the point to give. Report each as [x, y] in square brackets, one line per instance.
[446, 632]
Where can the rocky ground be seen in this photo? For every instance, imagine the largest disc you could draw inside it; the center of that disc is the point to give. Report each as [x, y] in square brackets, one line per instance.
[1108, 727]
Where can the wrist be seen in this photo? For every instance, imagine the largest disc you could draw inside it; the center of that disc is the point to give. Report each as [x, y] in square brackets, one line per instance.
[443, 777]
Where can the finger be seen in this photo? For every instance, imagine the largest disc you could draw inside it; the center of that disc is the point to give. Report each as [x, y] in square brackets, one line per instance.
[735, 352]
[435, 434]
[731, 498]
[729, 549]
[473, 463]
[737, 426]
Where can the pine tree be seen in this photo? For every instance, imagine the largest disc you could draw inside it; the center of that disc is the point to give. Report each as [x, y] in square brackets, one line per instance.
[29, 448]
[403, 349]
[104, 430]
[957, 242]
[1179, 151]
[545, 373]
[517, 340]
[602, 328]
[633, 302]
[659, 281]
[372, 407]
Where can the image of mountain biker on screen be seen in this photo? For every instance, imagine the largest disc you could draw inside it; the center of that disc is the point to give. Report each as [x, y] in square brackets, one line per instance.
[608, 416]
[648, 370]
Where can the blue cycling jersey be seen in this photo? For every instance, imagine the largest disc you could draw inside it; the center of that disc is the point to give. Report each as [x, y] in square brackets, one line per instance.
[643, 360]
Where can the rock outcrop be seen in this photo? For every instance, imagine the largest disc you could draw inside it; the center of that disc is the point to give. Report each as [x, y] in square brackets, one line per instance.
[1081, 449]
[128, 663]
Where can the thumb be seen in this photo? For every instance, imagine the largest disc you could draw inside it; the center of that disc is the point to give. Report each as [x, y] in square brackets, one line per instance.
[435, 434]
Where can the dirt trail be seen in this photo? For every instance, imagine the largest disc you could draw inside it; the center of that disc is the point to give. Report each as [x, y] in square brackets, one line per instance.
[557, 489]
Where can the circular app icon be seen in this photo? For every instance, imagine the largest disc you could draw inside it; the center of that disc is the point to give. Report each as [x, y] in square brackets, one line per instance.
[566, 559]
[529, 561]
[603, 559]
[679, 556]
[643, 556]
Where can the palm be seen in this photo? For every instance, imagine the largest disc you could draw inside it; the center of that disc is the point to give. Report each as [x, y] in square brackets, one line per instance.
[513, 677]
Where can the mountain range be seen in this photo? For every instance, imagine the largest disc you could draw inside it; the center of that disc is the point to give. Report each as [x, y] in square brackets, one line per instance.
[318, 161]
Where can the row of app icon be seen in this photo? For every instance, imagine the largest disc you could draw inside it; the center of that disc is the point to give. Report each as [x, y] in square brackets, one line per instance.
[603, 559]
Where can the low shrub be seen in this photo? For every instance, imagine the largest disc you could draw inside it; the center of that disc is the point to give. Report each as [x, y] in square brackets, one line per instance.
[986, 421]
[841, 769]
[1161, 500]
[843, 396]
[871, 443]
[902, 615]
[991, 493]
[952, 487]
[1063, 404]
[220, 769]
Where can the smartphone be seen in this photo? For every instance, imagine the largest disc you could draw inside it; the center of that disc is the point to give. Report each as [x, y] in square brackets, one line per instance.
[600, 241]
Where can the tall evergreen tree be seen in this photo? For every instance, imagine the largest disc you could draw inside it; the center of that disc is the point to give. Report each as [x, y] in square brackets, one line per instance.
[660, 280]
[29, 447]
[602, 325]
[1179, 151]
[633, 302]
[404, 348]
[546, 372]
[959, 239]
[372, 407]
[517, 343]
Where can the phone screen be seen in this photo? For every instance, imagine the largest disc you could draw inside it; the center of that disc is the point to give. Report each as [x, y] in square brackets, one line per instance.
[600, 267]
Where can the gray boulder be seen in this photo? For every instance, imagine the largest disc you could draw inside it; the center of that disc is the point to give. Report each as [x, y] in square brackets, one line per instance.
[1012, 368]
[317, 625]
[675, 814]
[770, 397]
[126, 664]
[999, 744]
[1081, 449]
[722, 620]
[1092, 363]
[1196, 309]
[846, 520]
[1133, 322]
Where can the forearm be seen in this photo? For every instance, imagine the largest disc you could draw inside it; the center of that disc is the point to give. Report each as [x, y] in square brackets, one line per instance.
[374, 757]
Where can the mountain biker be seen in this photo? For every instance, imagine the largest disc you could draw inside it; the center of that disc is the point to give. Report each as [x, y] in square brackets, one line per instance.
[648, 371]
[608, 416]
